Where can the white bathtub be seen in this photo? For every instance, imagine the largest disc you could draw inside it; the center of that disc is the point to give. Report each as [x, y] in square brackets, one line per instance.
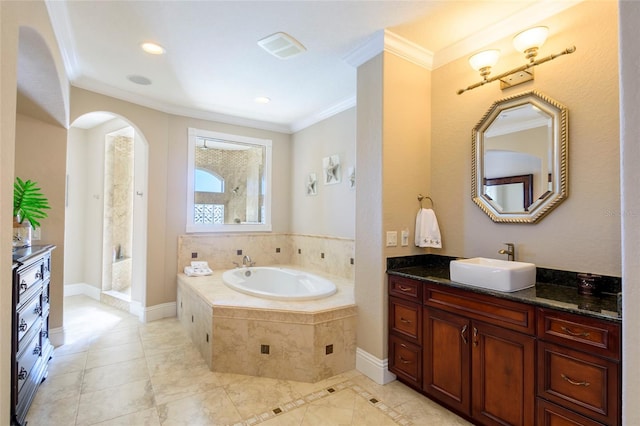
[270, 282]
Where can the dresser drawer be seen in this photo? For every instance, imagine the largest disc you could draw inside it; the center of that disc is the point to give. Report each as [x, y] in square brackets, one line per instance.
[27, 278]
[405, 288]
[28, 315]
[27, 359]
[578, 332]
[504, 313]
[549, 414]
[579, 381]
[405, 319]
[405, 360]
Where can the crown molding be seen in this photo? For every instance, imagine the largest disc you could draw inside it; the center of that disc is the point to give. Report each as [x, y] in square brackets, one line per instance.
[385, 40]
[323, 115]
[58, 13]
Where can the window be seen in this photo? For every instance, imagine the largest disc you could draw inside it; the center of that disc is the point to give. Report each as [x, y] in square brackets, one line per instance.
[228, 183]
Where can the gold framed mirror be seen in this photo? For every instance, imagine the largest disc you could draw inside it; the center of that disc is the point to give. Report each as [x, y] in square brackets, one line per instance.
[520, 158]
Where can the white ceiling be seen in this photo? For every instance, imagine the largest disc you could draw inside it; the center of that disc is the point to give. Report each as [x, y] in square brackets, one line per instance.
[213, 67]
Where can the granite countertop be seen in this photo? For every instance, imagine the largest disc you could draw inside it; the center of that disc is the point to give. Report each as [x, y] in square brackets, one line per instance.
[551, 291]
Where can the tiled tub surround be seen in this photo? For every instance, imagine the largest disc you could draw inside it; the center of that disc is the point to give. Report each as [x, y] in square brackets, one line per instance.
[317, 253]
[307, 341]
[554, 288]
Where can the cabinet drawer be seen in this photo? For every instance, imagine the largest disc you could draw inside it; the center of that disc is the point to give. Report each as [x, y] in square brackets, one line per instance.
[405, 360]
[27, 359]
[26, 279]
[405, 319]
[588, 334]
[405, 288]
[581, 382]
[553, 415]
[504, 313]
[27, 316]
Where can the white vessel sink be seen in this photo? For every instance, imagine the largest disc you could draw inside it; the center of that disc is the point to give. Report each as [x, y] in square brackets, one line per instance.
[493, 274]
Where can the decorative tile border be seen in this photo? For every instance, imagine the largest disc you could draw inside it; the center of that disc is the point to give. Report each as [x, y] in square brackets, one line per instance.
[328, 391]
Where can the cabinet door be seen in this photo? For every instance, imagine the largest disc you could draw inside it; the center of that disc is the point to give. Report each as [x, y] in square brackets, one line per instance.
[503, 363]
[446, 360]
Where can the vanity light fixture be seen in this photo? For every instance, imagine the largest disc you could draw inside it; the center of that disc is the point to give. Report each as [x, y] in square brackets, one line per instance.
[528, 42]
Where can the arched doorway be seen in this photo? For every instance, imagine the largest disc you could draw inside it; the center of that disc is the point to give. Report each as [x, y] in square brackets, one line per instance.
[105, 230]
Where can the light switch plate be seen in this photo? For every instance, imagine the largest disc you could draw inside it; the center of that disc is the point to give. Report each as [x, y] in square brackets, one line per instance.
[392, 238]
[405, 238]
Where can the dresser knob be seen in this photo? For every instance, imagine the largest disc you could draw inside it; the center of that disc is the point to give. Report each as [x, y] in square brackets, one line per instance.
[37, 350]
[22, 374]
[23, 285]
[23, 325]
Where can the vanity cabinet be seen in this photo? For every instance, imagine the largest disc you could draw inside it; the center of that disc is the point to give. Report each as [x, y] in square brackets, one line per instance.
[579, 368]
[503, 362]
[30, 346]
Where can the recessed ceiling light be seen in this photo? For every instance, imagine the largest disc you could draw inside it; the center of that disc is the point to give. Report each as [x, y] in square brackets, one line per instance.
[153, 48]
[262, 100]
[139, 79]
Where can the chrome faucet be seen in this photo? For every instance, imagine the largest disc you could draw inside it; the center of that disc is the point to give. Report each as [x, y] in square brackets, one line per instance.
[246, 261]
[510, 251]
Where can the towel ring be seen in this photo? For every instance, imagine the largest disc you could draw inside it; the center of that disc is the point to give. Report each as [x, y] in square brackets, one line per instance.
[422, 197]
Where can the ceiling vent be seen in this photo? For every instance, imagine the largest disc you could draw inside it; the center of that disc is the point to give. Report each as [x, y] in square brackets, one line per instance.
[282, 45]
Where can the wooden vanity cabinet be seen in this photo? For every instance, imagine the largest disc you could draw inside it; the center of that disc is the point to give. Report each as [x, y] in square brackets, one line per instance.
[479, 355]
[579, 372]
[502, 362]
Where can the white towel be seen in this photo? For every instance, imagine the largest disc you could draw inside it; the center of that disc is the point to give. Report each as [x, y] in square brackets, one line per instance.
[427, 230]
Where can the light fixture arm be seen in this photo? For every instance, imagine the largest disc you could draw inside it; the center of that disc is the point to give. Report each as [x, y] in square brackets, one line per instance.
[519, 69]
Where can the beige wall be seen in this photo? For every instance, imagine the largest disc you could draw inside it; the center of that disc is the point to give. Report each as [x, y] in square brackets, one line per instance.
[332, 211]
[583, 233]
[166, 136]
[12, 16]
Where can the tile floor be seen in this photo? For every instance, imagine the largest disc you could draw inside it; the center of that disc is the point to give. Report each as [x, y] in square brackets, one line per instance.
[114, 370]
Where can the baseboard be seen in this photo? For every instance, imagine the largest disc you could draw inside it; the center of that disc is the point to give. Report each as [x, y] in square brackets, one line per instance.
[374, 368]
[135, 308]
[82, 288]
[156, 312]
[56, 336]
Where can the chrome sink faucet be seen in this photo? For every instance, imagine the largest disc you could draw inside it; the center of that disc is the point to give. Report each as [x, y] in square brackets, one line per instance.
[246, 261]
[510, 251]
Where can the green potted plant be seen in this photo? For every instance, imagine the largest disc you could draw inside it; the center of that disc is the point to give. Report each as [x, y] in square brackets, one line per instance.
[29, 205]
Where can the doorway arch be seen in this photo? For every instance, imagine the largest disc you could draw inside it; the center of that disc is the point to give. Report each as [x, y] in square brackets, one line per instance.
[93, 267]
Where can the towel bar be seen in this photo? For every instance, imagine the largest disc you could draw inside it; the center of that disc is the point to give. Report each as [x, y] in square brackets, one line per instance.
[422, 197]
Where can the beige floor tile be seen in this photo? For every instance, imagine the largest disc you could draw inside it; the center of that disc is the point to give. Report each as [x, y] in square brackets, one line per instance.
[257, 394]
[59, 412]
[181, 358]
[114, 354]
[63, 364]
[209, 408]
[290, 418]
[61, 386]
[147, 417]
[183, 383]
[111, 375]
[116, 337]
[114, 402]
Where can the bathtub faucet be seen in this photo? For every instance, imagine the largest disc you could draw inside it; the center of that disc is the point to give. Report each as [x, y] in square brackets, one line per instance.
[246, 261]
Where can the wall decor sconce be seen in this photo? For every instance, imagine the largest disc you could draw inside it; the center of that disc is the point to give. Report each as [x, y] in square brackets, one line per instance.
[312, 184]
[528, 42]
[331, 169]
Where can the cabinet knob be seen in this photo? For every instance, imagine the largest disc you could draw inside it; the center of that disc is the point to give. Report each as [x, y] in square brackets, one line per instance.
[22, 374]
[574, 382]
[37, 310]
[23, 325]
[38, 275]
[37, 350]
[23, 285]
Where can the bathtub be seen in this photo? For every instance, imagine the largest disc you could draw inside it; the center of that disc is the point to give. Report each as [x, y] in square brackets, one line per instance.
[270, 282]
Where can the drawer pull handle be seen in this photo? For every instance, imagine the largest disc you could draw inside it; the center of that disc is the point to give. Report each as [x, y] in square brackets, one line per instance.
[573, 382]
[575, 334]
[403, 288]
[404, 361]
[402, 345]
[23, 285]
[462, 332]
[37, 350]
[44, 334]
[37, 310]
[38, 275]
[404, 320]
[22, 374]
[23, 325]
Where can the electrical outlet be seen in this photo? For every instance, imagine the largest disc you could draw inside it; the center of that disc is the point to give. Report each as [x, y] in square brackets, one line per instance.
[392, 238]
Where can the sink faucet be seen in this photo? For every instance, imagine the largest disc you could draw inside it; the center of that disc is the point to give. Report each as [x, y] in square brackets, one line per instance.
[510, 251]
[246, 261]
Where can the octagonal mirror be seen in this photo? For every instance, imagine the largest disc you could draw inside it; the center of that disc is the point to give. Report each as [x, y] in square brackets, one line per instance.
[520, 161]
